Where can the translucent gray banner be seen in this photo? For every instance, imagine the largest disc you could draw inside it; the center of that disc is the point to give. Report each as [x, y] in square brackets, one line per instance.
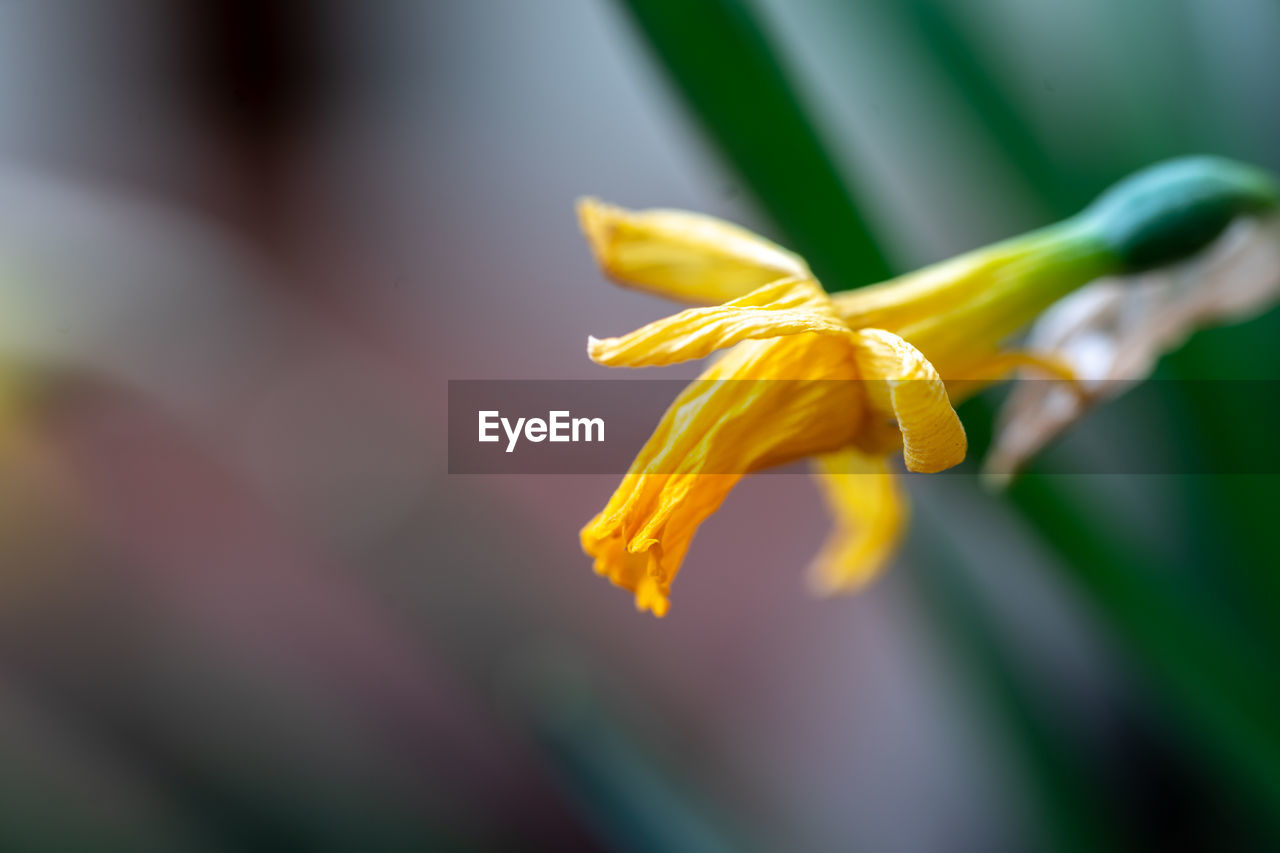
[599, 426]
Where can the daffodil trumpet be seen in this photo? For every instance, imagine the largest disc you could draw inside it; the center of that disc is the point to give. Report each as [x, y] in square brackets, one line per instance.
[866, 374]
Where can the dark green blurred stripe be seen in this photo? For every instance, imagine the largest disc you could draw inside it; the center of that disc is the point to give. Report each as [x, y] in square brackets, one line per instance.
[980, 90]
[1235, 548]
[719, 56]
[1214, 682]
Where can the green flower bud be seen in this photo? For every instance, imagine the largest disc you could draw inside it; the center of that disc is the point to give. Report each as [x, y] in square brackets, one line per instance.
[1168, 212]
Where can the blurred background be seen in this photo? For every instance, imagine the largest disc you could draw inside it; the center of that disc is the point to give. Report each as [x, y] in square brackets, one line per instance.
[243, 247]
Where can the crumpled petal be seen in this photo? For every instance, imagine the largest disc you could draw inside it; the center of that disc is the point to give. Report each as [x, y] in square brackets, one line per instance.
[719, 429]
[687, 257]
[869, 514]
[785, 307]
[1112, 332]
[902, 384]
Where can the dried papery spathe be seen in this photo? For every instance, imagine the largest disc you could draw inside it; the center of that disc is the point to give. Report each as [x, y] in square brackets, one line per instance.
[1112, 332]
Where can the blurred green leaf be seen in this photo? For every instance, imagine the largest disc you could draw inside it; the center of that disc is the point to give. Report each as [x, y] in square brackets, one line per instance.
[979, 89]
[1235, 542]
[1214, 682]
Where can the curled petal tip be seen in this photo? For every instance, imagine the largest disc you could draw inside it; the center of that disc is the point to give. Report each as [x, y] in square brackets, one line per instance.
[824, 581]
[597, 350]
[934, 460]
[588, 207]
[820, 582]
[598, 221]
[657, 608]
[649, 596]
[591, 216]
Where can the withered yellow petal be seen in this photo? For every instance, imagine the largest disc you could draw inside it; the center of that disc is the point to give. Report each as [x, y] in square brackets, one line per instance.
[869, 513]
[687, 257]
[639, 571]
[785, 307]
[902, 384]
[719, 429]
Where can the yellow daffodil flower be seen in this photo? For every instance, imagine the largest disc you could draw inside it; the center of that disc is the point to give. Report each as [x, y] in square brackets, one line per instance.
[911, 346]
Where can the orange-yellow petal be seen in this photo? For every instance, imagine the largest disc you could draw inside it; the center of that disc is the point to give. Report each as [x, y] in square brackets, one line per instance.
[903, 385]
[720, 428]
[869, 515]
[687, 257]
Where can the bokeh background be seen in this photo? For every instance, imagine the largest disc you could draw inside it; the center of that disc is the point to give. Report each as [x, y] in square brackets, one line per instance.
[243, 606]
